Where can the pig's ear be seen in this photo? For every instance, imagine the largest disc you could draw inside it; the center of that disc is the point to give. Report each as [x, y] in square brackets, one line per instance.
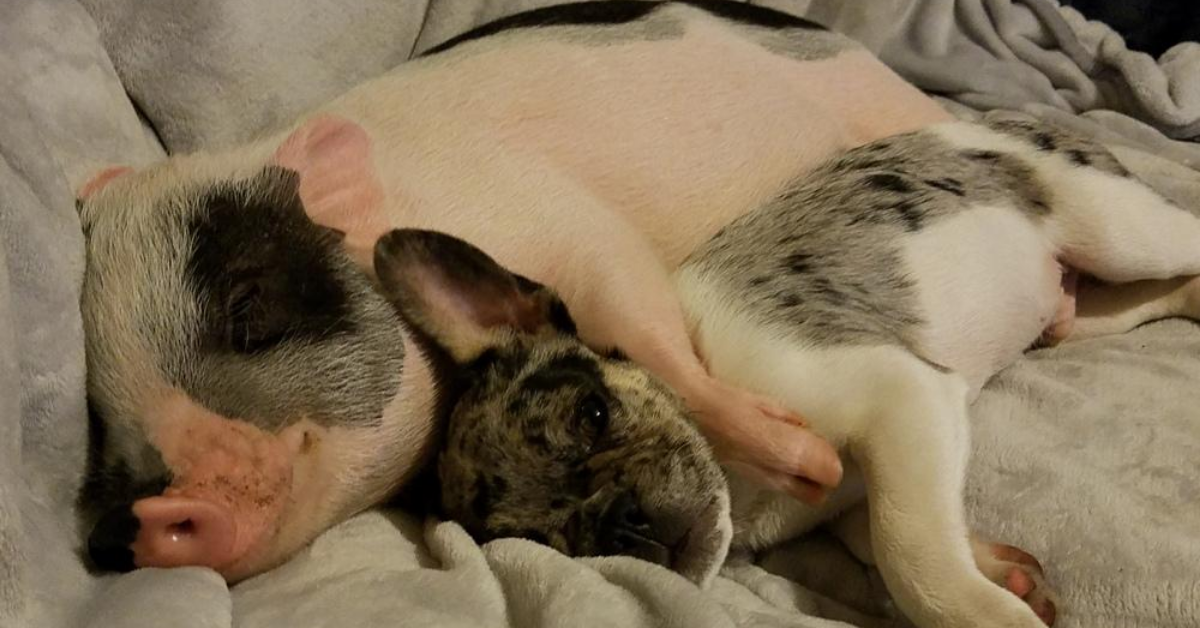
[338, 183]
[99, 180]
[459, 297]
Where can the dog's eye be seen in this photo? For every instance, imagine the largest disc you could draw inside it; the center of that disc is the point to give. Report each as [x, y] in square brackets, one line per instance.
[592, 413]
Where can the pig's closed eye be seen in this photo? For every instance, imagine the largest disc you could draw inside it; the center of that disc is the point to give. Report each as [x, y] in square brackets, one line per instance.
[248, 328]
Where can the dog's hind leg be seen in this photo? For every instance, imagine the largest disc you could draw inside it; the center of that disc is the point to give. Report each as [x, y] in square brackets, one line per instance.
[1102, 220]
[904, 421]
[1144, 249]
[914, 457]
[1104, 309]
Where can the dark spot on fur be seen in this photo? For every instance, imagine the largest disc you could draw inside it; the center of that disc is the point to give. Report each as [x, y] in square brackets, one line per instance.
[910, 214]
[569, 370]
[948, 184]
[789, 300]
[759, 282]
[868, 164]
[1079, 157]
[488, 491]
[982, 155]
[889, 182]
[484, 361]
[798, 263]
[1045, 141]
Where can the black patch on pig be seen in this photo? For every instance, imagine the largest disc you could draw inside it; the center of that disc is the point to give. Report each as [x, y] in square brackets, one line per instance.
[108, 544]
[575, 14]
[263, 270]
[108, 493]
[613, 12]
[753, 15]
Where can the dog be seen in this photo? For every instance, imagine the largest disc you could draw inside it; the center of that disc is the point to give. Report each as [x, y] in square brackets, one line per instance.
[874, 296]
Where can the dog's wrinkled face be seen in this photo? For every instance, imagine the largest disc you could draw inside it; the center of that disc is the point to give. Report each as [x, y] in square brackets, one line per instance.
[548, 440]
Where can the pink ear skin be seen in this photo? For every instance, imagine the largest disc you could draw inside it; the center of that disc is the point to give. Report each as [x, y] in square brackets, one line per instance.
[180, 531]
[101, 179]
[338, 184]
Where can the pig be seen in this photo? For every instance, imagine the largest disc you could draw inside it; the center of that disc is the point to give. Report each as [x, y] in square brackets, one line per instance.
[875, 296]
[250, 386]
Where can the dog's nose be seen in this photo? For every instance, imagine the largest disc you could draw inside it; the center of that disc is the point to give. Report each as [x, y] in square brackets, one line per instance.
[628, 532]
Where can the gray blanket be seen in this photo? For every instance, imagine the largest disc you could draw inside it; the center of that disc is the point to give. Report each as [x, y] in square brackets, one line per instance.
[1086, 455]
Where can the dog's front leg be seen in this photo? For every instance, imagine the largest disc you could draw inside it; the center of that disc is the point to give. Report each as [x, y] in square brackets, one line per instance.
[914, 456]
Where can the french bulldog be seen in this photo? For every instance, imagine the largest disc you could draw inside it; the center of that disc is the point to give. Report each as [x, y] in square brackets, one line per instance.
[875, 295]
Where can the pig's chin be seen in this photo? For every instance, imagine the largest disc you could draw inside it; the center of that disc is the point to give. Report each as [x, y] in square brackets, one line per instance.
[706, 545]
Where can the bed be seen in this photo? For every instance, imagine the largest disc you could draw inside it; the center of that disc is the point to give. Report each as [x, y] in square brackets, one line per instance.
[1087, 455]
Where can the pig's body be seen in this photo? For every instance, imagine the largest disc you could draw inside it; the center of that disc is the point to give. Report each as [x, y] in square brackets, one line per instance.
[592, 157]
[672, 138]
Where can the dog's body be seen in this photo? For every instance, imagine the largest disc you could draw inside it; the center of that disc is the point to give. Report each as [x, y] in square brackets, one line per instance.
[880, 294]
[232, 343]
[875, 296]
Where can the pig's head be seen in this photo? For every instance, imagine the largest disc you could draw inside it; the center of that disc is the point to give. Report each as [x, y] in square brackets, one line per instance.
[249, 386]
[546, 439]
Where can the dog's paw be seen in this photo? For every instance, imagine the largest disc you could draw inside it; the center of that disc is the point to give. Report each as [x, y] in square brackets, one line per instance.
[1020, 573]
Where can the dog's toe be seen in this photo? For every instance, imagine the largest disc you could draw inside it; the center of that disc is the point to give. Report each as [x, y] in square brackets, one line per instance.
[1018, 572]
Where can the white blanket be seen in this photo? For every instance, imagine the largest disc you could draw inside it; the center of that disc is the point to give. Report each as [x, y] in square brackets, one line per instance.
[1085, 455]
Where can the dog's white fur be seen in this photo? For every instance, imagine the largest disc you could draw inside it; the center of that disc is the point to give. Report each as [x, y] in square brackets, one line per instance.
[900, 419]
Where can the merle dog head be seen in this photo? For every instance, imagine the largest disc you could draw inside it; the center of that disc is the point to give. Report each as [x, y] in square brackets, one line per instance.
[548, 440]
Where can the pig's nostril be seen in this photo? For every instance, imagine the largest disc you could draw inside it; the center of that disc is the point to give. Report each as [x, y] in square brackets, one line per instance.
[187, 527]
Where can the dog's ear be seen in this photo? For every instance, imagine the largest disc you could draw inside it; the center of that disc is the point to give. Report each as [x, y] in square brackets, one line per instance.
[459, 297]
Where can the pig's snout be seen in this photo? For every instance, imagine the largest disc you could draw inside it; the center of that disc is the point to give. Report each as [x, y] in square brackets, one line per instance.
[164, 532]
